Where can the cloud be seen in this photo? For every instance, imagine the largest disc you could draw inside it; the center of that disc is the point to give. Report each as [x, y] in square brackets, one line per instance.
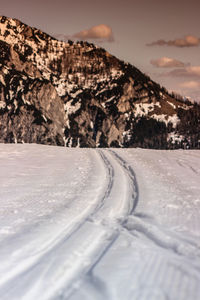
[167, 62]
[189, 72]
[100, 32]
[190, 85]
[187, 41]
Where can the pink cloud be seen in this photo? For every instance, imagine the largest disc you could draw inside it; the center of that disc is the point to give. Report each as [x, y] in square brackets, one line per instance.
[187, 41]
[167, 62]
[190, 85]
[191, 72]
[99, 32]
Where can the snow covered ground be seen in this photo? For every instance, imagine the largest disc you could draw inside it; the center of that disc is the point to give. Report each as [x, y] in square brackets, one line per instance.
[99, 223]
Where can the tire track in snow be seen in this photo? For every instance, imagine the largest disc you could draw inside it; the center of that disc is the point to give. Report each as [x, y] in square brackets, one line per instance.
[186, 165]
[164, 238]
[131, 174]
[130, 197]
[112, 224]
[115, 225]
[171, 263]
[111, 174]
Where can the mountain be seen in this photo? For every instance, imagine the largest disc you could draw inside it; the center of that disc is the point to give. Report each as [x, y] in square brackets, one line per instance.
[79, 95]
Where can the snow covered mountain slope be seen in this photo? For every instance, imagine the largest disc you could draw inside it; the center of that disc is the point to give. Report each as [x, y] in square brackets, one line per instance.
[79, 95]
[99, 224]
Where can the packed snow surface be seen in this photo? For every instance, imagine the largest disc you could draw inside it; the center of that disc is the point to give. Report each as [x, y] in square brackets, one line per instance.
[99, 223]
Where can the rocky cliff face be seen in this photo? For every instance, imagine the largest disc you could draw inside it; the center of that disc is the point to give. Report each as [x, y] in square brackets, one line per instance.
[77, 94]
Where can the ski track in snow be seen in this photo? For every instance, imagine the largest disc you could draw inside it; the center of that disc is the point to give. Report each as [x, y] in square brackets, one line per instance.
[99, 223]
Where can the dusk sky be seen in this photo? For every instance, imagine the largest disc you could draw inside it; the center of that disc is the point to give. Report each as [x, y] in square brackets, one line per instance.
[161, 38]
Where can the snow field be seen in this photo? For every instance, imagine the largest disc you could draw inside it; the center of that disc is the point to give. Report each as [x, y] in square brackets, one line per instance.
[99, 223]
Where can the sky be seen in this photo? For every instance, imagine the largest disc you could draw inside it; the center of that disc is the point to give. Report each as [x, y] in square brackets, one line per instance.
[161, 38]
